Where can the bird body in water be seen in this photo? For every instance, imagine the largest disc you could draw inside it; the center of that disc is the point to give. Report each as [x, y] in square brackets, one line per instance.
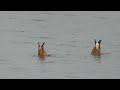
[96, 51]
[41, 50]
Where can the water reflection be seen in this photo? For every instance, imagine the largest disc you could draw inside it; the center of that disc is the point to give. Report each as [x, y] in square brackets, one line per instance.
[42, 58]
[97, 59]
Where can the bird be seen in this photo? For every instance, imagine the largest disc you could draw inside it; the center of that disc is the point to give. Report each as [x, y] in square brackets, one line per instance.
[41, 50]
[96, 51]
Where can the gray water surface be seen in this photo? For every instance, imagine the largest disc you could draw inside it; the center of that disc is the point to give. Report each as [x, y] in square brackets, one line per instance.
[69, 38]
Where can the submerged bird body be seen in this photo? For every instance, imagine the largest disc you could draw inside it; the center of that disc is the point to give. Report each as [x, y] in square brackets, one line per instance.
[41, 51]
[96, 51]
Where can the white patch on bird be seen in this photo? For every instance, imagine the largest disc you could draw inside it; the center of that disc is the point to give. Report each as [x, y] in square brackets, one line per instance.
[97, 45]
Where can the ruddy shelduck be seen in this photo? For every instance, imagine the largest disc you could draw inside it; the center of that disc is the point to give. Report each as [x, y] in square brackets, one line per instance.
[96, 51]
[41, 50]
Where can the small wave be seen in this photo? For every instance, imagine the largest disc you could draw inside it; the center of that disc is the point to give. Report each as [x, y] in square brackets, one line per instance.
[101, 17]
[3, 60]
[48, 13]
[42, 37]
[106, 53]
[42, 58]
[70, 15]
[11, 18]
[38, 20]
[15, 42]
[49, 62]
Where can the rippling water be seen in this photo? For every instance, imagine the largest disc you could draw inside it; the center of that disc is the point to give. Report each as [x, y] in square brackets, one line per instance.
[69, 38]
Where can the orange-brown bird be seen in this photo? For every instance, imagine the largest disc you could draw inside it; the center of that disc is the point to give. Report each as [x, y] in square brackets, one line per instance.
[96, 51]
[41, 50]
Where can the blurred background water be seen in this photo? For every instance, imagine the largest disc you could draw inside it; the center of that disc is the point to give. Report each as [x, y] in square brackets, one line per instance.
[69, 37]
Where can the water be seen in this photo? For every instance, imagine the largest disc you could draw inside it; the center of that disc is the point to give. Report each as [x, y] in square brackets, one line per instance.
[69, 38]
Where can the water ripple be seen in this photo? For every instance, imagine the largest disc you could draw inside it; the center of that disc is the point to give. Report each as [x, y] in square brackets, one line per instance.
[38, 20]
